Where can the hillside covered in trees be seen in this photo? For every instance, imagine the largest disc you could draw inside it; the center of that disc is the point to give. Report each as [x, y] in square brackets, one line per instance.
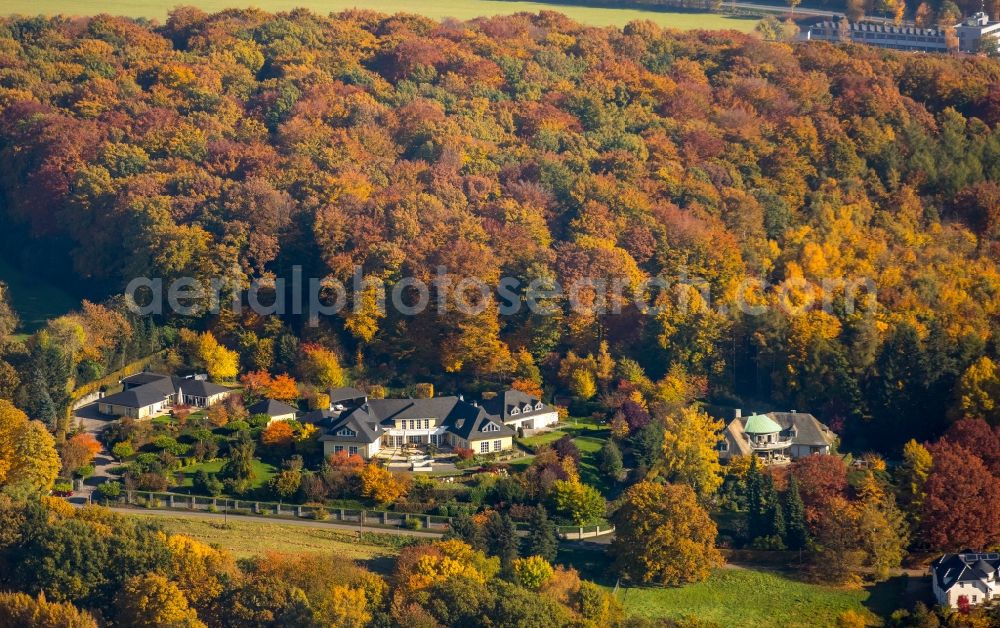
[244, 143]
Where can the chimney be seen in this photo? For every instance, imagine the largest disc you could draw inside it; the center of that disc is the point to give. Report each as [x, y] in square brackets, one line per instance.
[738, 413]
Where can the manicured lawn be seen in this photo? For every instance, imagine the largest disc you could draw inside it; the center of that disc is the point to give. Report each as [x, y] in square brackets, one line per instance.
[589, 436]
[244, 538]
[745, 597]
[437, 9]
[35, 300]
[262, 470]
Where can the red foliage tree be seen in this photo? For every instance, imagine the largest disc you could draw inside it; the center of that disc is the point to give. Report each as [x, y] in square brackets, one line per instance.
[977, 436]
[821, 478]
[960, 507]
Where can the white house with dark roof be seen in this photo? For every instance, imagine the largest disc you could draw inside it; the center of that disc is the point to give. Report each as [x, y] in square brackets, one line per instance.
[520, 410]
[974, 576]
[776, 437]
[368, 427]
[150, 394]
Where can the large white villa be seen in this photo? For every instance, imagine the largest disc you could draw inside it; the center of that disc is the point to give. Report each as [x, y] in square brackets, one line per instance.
[368, 427]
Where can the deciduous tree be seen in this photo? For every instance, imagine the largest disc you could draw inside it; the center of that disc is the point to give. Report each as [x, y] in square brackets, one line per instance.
[663, 535]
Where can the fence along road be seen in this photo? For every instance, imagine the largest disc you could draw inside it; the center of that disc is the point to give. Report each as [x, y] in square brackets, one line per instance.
[408, 524]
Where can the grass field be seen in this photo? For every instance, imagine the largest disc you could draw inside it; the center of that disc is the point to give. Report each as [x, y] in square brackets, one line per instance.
[34, 300]
[262, 470]
[244, 539]
[437, 9]
[744, 597]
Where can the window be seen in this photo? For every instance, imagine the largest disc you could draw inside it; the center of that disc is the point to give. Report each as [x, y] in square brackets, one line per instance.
[491, 427]
[346, 431]
[724, 446]
[514, 411]
[973, 599]
[497, 446]
[484, 447]
[538, 406]
[427, 424]
[353, 451]
[338, 448]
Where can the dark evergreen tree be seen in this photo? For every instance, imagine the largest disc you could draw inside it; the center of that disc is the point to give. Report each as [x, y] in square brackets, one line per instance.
[542, 539]
[773, 518]
[897, 388]
[502, 540]
[465, 529]
[756, 507]
[611, 460]
[796, 532]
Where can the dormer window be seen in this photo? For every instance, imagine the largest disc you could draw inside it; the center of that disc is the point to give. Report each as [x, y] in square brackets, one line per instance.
[346, 431]
[538, 406]
[514, 411]
[491, 427]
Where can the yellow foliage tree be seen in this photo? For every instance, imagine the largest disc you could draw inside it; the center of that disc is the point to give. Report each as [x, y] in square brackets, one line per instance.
[690, 450]
[662, 534]
[200, 571]
[153, 601]
[20, 609]
[380, 485]
[532, 572]
[221, 363]
[979, 390]
[28, 455]
[347, 607]
[421, 566]
[320, 366]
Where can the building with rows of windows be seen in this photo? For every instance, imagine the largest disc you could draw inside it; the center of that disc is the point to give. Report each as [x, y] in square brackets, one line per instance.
[974, 34]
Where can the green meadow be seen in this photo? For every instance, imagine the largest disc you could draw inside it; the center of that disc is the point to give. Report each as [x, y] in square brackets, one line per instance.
[34, 299]
[436, 9]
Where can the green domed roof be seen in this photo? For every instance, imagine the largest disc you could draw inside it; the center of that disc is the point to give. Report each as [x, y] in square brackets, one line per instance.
[760, 424]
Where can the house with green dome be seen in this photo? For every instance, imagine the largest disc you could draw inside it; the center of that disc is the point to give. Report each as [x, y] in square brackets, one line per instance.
[776, 437]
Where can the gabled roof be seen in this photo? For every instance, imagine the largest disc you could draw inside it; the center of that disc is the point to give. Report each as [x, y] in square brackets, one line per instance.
[198, 387]
[140, 379]
[366, 429]
[150, 388]
[808, 429]
[475, 428]
[760, 424]
[136, 398]
[271, 407]
[967, 566]
[502, 405]
[373, 417]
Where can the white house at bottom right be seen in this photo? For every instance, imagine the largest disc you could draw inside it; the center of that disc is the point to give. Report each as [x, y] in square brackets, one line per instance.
[970, 575]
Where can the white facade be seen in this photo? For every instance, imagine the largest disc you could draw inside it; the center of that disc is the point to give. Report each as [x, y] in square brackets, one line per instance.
[533, 422]
[366, 451]
[972, 576]
[976, 592]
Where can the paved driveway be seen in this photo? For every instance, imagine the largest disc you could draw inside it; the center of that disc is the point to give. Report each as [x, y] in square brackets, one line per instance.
[93, 422]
